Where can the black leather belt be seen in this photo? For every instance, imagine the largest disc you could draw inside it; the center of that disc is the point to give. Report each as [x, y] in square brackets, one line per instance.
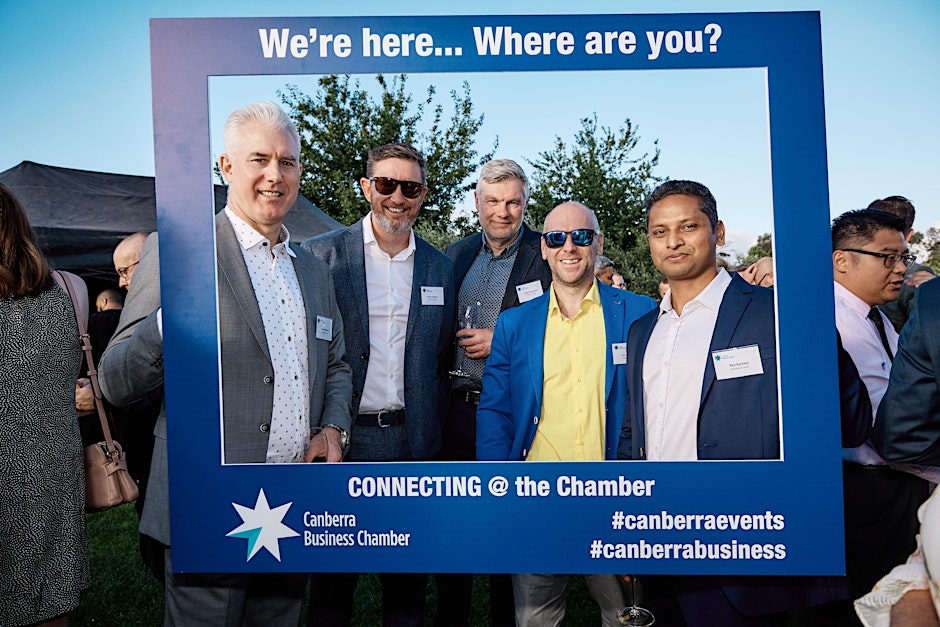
[471, 397]
[381, 419]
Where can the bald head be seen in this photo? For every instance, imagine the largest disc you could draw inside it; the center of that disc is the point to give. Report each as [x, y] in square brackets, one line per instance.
[572, 264]
[109, 299]
[127, 256]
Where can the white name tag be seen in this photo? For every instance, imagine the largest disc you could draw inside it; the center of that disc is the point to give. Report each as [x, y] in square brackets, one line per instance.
[619, 351]
[324, 328]
[528, 291]
[432, 295]
[732, 363]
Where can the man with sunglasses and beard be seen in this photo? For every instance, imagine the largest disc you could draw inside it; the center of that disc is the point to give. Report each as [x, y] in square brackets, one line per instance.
[554, 387]
[396, 295]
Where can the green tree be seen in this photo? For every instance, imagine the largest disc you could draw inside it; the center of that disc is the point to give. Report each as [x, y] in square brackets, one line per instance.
[602, 168]
[341, 122]
[763, 248]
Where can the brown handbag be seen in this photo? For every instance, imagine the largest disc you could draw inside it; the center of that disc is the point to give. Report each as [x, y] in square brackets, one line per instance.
[107, 482]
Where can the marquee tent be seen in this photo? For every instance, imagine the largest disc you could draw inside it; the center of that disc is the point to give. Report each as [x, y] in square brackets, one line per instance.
[80, 216]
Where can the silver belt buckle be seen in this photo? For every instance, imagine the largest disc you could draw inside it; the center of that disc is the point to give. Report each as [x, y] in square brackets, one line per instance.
[378, 419]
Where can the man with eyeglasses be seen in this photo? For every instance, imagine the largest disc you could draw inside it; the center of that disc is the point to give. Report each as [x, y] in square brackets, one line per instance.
[494, 270]
[554, 387]
[126, 256]
[869, 260]
[396, 295]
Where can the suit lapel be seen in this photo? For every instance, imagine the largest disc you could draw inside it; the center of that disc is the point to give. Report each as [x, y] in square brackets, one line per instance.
[355, 271]
[464, 259]
[612, 305]
[534, 334]
[234, 273]
[524, 257]
[735, 301]
[641, 331]
[303, 269]
[418, 278]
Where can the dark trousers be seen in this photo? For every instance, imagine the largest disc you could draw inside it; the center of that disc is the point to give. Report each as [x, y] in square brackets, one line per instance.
[880, 521]
[331, 599]
[455, 590]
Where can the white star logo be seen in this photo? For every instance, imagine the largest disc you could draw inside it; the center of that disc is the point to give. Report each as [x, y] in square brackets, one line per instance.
[262, 526]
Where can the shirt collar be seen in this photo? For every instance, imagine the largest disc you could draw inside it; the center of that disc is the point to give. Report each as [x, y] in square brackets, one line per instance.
[249, 238]
[509, 250]
[368, 238]
[710, 297]
[592, 297]
[850, 300]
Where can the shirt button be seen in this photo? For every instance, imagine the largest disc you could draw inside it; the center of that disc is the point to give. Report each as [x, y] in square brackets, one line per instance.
[264, 427]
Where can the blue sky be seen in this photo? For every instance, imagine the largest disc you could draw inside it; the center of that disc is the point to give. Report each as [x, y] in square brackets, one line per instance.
[77, 94]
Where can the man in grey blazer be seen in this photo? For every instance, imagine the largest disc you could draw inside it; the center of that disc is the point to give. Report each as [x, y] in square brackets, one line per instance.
[396, 295]
[272, 294]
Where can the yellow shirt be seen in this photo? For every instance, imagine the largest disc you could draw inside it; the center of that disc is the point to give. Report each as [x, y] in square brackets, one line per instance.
[571, 427]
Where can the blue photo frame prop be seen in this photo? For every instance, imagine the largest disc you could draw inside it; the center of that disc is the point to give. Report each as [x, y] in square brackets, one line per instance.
[755, 517]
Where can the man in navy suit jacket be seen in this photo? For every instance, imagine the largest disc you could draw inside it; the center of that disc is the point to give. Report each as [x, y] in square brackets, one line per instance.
[569, 407]
[495, 270]
[396, 296]
[675, 370]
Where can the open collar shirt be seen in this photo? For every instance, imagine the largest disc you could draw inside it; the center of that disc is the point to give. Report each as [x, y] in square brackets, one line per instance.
[274, 281]
[674, 370]
[388, 286]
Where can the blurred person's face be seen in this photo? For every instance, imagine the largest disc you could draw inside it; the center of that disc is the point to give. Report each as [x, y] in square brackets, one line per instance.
[125, 262]
[606, 275]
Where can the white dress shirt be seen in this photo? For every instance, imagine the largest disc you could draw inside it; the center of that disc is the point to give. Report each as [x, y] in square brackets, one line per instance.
[388, 285]
[282, 311]
[674, 370]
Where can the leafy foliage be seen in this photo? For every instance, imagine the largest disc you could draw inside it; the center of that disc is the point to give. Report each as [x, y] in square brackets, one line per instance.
[763, 248]
[341, 122]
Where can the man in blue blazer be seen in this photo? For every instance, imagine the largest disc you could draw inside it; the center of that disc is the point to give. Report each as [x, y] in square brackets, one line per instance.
[569, 407]
[396, 295]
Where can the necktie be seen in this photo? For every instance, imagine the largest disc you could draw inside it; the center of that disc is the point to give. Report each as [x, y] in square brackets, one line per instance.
[875, 316]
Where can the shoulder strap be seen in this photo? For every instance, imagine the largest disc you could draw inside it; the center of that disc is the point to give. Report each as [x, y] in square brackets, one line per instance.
[64, 281]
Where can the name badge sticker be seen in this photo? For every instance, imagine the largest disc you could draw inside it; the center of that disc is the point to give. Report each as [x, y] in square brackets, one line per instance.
[528, 291]
[733, 363]
[324, 328]
[431, 295]
[619, 351]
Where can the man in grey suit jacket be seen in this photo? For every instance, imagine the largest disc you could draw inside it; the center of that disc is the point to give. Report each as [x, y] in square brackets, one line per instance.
[273, 356]
[397, 299]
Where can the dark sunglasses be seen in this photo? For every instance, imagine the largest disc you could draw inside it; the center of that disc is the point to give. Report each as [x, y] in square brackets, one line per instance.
[581, 237]
[386, 186]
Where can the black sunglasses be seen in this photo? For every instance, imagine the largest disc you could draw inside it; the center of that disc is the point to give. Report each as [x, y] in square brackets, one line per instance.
[581, 237]
[386, 186]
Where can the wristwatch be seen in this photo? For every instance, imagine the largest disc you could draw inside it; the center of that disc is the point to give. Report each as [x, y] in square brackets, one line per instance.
[343, 437]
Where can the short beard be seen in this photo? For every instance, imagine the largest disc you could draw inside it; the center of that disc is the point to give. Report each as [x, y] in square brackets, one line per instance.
[392, 227]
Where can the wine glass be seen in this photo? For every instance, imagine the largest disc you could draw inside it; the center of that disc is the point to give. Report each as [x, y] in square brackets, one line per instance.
[467, 320]
[634, 614]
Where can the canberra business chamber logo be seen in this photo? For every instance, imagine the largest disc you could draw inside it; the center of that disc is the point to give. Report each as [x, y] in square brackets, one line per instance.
[262, 526]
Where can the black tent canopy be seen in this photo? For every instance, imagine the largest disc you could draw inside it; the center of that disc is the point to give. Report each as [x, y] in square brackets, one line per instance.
[80, 216]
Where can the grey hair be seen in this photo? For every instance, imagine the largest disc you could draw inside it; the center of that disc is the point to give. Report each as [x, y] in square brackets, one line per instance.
[266, 113]
[499, 170]
[602, 262]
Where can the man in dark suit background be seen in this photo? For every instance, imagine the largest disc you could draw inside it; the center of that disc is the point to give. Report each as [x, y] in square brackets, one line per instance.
[397, 302]
[674, 370]
[494, 270]
[282, 364]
